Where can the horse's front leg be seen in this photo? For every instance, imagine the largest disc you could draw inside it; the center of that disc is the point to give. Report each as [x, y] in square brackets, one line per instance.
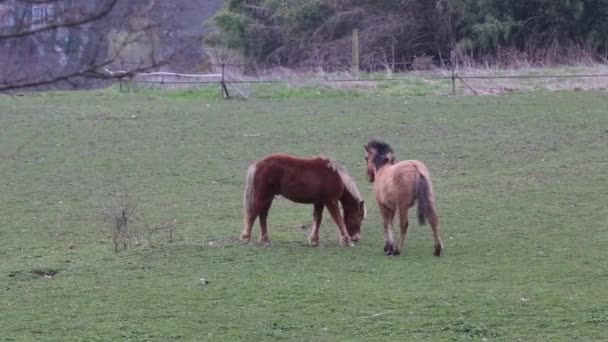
[334, 210]
[313, 239]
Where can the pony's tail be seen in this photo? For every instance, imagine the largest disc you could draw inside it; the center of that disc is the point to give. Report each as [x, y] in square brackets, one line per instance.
[425, 196]
[248, 195]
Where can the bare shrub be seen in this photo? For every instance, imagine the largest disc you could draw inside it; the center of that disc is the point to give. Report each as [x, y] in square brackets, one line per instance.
[128, 228]
[152, 231]
[120, 214]
[531, 57]
[219, 55]
[423, 63]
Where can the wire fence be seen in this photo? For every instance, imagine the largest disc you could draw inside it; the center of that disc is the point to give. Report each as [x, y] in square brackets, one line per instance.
[237, 79]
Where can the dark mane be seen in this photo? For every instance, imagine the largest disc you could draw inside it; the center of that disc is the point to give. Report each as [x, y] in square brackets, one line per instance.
[383, 152]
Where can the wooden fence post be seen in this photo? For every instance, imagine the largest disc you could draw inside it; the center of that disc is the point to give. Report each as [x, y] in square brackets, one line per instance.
[223, 83]
[452, 62]
[355, 57]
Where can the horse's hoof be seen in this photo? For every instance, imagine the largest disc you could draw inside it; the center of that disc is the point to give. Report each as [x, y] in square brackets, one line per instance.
[245, 239]
[437, 251]
[396, 252]
[266, 242]
[346, 243]
[388, 248]
[313, 242]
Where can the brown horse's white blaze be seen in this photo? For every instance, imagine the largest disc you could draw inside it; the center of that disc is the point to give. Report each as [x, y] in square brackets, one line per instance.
[318, 181]
[397, 186]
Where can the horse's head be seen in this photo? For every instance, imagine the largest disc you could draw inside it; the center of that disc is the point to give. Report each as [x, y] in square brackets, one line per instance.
[377, 155]
[354, 214]
[353, 206]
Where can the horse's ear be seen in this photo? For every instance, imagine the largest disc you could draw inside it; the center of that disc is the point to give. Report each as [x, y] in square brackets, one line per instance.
[365, 148]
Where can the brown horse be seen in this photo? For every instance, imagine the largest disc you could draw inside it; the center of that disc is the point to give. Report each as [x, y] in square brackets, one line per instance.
[318, 181]
[397, 186]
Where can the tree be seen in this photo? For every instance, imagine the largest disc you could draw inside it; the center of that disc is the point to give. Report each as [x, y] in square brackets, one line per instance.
[319, 31]
[490, 24]
[291, 32]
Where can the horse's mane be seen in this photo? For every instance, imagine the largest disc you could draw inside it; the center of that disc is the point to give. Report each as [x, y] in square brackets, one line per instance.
[348, 181]
[384, 152]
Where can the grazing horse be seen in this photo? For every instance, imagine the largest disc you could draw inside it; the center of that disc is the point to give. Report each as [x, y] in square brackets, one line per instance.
[397, 186]
[318, 181]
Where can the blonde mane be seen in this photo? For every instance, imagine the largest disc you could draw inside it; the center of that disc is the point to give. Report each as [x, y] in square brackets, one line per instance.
[348, 181]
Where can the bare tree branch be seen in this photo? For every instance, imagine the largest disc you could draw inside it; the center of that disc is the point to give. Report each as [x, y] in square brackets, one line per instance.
[87, 19]
[95, 52]
[94, 71]
[67, 44]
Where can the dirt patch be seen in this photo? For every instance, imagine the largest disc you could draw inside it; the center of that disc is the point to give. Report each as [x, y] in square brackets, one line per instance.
[27, 275]
[45, 273]
[495, 91]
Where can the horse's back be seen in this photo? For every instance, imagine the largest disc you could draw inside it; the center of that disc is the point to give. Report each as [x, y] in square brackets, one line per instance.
[413, 166]
[399, 183]
[304, 180]
[291, 164]
[293, 161]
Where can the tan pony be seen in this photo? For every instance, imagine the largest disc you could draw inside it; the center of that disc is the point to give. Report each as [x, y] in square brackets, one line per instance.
[397, 187]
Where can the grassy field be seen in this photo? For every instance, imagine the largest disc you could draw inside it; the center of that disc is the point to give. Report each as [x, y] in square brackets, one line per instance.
[521, 184]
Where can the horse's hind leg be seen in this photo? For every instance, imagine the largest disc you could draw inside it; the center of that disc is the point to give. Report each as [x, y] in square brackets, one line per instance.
[313, 239]
[387, 221]
[334, 210]
[249, 220]
[403, 225]
[264, 238]
[437, 243]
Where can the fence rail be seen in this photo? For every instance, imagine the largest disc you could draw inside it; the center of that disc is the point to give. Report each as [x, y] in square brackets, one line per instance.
[224, 76]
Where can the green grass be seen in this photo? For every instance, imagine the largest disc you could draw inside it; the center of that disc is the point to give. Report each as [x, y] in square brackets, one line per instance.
[274, 91]
[520, 183]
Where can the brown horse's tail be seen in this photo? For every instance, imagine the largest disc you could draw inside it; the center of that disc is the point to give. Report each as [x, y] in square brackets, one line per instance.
[425, 198]
[249, 194]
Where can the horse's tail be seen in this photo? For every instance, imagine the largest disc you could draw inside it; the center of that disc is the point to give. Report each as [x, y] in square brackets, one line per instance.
[425, 196]
[249, 194]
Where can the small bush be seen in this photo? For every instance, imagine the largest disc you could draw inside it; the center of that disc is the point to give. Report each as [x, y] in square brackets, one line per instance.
[128, 229]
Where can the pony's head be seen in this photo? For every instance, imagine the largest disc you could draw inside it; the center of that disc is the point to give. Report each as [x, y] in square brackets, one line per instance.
[378, 154]
[354, 214]
[353, 205]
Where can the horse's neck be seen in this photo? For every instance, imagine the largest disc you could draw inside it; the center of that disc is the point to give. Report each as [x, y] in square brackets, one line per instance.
[348, 199]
